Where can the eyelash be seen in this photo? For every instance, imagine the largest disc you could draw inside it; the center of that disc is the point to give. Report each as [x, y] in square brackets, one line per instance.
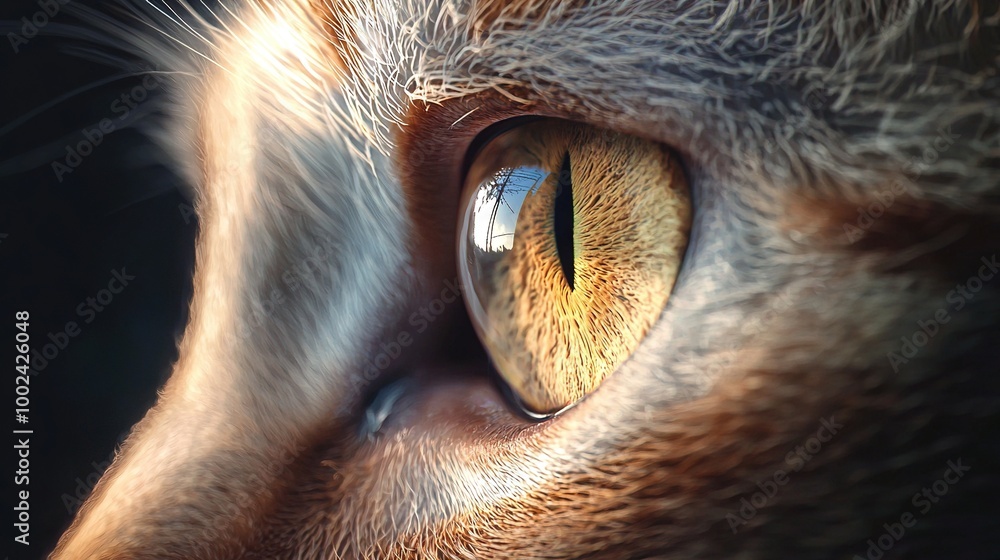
[489, 133]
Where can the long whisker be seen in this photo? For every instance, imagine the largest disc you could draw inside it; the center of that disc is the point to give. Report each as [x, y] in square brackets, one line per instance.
[44, 154]
[179, 21]
[190, 28]
[185, 45]
[161, 189]
[64, 97]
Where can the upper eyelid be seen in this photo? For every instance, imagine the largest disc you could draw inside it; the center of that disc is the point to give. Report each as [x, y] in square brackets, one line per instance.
[431, 149]
[489, 133]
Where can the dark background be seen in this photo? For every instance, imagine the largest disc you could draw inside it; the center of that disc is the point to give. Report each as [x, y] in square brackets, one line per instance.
[59, 242]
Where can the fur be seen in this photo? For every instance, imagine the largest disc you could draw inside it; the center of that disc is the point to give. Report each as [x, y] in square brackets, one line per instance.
[331, 135]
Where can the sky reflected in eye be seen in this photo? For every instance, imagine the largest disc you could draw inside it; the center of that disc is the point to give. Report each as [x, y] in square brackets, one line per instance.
[498, 204]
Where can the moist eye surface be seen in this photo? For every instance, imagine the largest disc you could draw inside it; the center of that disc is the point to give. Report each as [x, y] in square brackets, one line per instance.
[570, 240]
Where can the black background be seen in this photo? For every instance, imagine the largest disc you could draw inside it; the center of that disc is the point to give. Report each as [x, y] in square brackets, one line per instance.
[120, 207]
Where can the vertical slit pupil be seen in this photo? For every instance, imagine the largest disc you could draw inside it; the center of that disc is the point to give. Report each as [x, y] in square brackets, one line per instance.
[563, 220]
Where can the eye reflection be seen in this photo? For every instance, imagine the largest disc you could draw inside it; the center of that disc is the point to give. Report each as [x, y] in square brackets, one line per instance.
[490, 223]
[498, 204]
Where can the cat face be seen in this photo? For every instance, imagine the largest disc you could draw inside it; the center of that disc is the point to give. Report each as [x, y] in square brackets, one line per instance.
[818, 359]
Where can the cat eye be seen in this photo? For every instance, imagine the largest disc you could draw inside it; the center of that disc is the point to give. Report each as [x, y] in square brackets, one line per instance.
[569, 243]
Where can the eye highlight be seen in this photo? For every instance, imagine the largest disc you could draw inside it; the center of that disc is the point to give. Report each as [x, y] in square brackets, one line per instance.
[571, 238]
